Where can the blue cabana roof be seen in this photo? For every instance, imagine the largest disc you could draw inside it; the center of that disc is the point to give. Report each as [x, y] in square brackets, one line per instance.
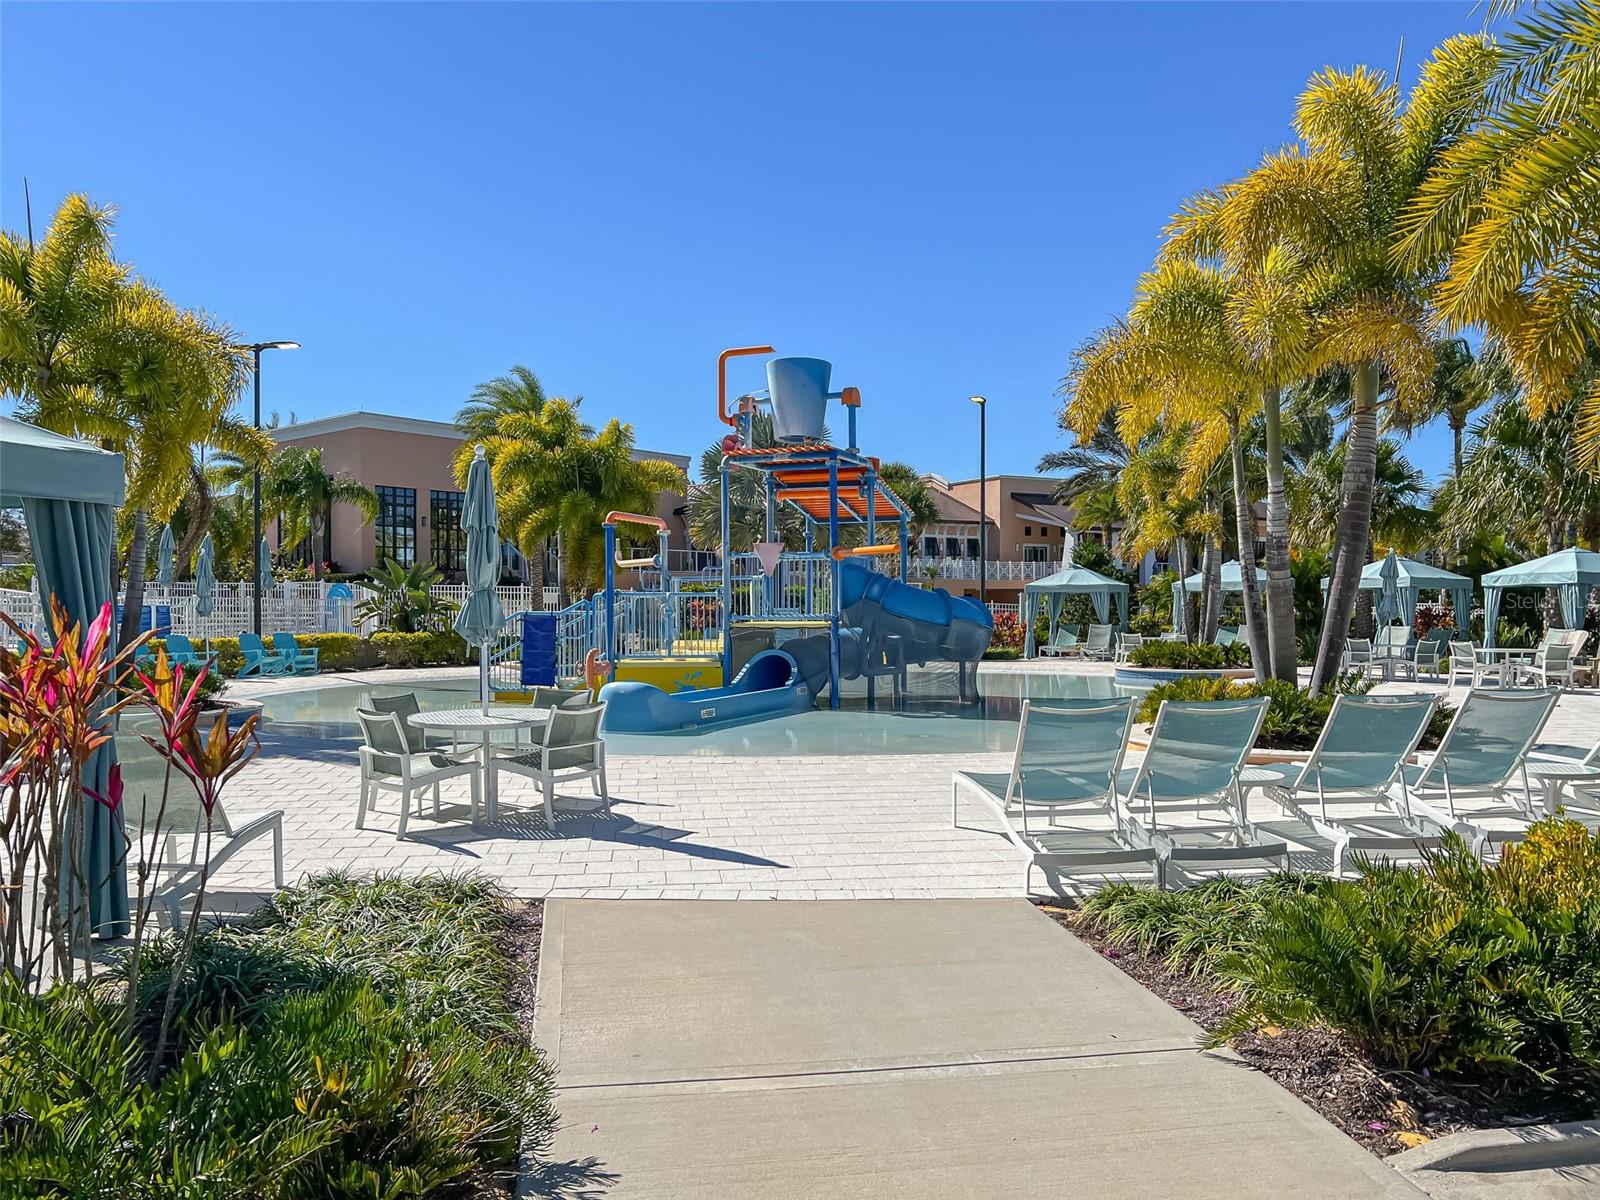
[36, 464]
[1573, 572]
[1075, 580]
[1232, 578]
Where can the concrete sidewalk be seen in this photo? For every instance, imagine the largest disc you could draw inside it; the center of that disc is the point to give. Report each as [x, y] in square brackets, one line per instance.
[928, 1049]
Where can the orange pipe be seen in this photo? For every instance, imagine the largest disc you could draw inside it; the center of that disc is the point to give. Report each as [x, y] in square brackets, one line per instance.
[841, 553]
[633, 519]
[722, 378]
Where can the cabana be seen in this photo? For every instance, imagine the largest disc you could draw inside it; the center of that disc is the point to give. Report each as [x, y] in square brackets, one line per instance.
[70, 491]
[1053, 591]
[1418, 577]
[1572, 572]
[1232, 581]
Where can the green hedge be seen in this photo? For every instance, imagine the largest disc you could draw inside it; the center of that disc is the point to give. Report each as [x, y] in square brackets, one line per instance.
[426, 649]
[1180, 656]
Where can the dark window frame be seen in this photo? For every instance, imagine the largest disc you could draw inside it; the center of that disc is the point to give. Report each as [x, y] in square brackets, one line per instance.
[447, 540]
[394, 536]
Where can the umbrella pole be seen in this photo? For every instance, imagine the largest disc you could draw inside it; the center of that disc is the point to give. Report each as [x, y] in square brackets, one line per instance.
[483, 676]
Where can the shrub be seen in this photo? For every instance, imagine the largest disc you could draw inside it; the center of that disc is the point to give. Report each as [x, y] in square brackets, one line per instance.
[421, 649]
[1149, 624]
[1008, 632]
[1487, 973]
[354, 1039]
[1182, 656]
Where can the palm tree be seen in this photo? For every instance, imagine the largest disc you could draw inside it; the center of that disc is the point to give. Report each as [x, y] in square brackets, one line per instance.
[1093, 465]
[747, 501]
[299, 491]
[1508, 212]
[516, 392]
[553, 478]
[905, 481]
[1334, 203]
[1400, 514]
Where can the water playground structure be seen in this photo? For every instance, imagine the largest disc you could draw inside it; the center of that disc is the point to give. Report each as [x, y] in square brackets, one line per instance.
[769, 630]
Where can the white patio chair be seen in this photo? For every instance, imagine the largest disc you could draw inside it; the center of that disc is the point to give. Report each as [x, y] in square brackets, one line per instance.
[390, 762]
[1551, 665]
[571, 748]
[1196, 753]
[1066, 763]
[1476, 783]
[1357, 655]
[180, 876]
[1430, 653]
[1479, 667]
[1127, 643]
[1344, 790]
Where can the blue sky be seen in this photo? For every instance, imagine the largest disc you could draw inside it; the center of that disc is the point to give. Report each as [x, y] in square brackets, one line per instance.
[941, 199]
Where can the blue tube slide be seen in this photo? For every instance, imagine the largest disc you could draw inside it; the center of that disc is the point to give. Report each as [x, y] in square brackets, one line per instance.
[928, 625]
[770, 685]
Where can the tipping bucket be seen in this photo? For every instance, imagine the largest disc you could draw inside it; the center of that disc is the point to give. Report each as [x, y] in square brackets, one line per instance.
[799, 391]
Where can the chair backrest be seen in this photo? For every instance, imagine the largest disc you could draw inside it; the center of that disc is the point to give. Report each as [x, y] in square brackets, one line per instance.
[250, 643]
[1394, 637]
[179, 643]
[1129, 641]
[1226, 637]
[1489, 737]
[1070, 752]
[284, 643]
[1066, 635]
[1577, 639]
[1358, 649]
[1197, 746]
[385, 734]
[570, 734]
[1462, 654]
[1099, 637]
[549, 697]
[1553, 656]
[403, 706]
[1365, 741]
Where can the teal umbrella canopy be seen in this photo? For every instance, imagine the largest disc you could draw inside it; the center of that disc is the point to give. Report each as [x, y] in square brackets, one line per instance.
[1388, 605]
[205, 578]
[164, 553]
[265, 581]
[481, 617]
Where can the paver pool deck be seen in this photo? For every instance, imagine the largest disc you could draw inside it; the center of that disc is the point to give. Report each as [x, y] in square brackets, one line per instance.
[927, 1049]
[791, 827]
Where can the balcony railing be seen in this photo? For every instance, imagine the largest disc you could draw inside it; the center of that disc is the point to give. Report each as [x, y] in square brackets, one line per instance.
[968, 568]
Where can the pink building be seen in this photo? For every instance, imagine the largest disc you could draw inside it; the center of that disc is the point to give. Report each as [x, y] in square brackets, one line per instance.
[407, 461]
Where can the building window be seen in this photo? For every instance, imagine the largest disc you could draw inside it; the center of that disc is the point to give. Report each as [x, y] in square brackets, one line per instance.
[972, 547]
[930, 547]
[396, 526]
[447, 541]
[1027, 531]
[952, 547]
[1035, 552]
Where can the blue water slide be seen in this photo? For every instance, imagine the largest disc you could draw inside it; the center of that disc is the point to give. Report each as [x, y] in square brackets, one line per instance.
[910, 624]
[770, 685]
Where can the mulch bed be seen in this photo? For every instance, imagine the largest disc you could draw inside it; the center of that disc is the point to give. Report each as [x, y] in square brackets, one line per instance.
[1385, 1111]
[522, 947]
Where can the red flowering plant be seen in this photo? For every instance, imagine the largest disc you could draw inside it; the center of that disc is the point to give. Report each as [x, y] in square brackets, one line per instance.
[57, 704]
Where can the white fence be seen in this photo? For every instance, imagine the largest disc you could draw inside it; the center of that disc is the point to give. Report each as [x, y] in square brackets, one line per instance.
[918, 566]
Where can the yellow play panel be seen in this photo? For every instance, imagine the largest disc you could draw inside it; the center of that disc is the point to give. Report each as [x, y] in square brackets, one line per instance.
[674, 674]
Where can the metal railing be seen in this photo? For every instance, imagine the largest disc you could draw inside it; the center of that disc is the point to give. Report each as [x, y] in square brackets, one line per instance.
[917, 569]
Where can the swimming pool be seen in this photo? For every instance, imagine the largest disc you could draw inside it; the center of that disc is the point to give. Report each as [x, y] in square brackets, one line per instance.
[923, 727]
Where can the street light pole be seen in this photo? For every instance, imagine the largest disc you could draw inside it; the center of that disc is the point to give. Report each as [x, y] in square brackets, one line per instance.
[255, 349]
[983, 498]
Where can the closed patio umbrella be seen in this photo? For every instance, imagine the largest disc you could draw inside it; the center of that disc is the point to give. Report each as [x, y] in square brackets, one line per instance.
[481, 616]
[265, 581]
[1389, 595]
[205, 581]
[164, 553]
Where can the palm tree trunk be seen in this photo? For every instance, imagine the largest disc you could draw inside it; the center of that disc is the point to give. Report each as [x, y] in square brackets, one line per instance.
[200, 508]
[1245, 521]
[1184, 617]
[1211, 612]
[1355, 523]
[135, 598]
[1280, 641]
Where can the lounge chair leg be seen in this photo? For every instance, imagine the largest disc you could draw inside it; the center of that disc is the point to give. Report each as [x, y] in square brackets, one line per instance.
[605, 791]
[277, 855]
[361, 805]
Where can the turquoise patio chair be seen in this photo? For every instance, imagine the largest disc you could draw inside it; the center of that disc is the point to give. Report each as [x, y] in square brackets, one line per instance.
[1226, 636]
[1066, 762]
[258, 660]
[1098, 645]
[1193, 764]
[299, 662]
[1483, 758]
[181, 652]
[1346, 789]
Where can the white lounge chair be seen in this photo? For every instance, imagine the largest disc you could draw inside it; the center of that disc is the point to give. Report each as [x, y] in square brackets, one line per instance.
[1476, 783]
[1063, 643]
[395, 762]
[181, 876]
[1346, 790]
[1066, 763]
[571, 748]
[1193, 763]
[1097, 645]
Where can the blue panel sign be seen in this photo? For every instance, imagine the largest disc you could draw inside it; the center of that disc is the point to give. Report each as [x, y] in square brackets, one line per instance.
[538, 649]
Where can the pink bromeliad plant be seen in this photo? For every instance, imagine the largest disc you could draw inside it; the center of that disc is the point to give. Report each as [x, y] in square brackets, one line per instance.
[58, 703]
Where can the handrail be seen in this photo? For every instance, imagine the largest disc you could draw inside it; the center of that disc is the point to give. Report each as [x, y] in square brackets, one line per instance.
[842, 552]
[722, 378]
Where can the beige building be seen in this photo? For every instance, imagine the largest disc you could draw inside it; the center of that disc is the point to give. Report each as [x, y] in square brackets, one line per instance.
[1030, 535]
[407, 461]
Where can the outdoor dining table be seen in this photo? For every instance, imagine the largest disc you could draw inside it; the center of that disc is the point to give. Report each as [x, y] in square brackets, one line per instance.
[1508, 657]
[474, 722]
[1553, 776]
